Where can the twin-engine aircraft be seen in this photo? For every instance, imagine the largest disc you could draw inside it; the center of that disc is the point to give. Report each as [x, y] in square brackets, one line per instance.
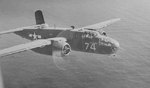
[49, 40]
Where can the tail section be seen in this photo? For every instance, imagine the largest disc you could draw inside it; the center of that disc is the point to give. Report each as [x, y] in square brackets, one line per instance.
[39, 17]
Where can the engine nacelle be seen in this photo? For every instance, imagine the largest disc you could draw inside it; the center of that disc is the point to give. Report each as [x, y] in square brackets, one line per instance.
[62, 47]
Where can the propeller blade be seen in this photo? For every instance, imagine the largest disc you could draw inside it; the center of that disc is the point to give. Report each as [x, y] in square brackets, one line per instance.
[59, 60]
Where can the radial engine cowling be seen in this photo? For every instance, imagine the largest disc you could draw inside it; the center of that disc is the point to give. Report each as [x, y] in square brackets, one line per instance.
[61, 47]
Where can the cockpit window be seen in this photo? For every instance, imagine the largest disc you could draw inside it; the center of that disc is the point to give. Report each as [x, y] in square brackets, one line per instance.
[104, 33]
[89, 34]
[93, 34]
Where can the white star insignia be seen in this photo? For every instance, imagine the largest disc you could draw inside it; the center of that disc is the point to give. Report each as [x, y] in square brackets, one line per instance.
[35, 36]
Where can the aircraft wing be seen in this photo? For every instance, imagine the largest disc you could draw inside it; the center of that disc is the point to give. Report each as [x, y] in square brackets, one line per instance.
[24, 47]
[102, 24]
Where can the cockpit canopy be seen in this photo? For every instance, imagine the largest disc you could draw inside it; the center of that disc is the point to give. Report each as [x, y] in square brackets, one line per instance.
[91, 34]
[96, 32]
[101, 32]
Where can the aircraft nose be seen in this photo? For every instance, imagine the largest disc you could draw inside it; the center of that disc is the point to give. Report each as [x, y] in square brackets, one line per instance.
[115, 45]
[108, 45]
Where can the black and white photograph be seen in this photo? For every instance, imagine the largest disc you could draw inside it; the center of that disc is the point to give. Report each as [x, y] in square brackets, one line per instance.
[74, 44]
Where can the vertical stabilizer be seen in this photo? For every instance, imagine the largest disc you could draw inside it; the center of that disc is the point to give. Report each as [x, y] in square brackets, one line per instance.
[39, 17]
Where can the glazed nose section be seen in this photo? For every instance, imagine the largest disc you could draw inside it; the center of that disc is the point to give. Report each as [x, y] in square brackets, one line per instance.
[115, 45]
[107, 45]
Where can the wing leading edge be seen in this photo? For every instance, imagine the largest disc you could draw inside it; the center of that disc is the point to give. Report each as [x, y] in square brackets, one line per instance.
[102, 24]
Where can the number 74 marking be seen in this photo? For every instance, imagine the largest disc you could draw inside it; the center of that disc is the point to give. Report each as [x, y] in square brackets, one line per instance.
[91, 46]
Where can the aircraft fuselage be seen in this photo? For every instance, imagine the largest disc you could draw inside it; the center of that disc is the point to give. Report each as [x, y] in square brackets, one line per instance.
[85, 41]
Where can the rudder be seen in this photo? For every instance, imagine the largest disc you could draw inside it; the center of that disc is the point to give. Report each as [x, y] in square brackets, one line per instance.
[39, 17]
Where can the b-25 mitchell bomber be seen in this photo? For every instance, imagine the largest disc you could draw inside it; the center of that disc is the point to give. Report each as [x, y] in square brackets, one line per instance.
[58, 42]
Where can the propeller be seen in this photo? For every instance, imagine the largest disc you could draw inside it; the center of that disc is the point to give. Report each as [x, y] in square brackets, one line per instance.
[60, 60]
